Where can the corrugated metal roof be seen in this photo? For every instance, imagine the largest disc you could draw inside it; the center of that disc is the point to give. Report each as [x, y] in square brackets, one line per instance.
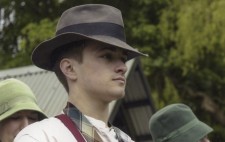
[136, 108]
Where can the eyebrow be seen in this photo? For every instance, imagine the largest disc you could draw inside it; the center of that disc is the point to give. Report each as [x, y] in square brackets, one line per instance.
[112, 48]
[27, 111]
[105, 47]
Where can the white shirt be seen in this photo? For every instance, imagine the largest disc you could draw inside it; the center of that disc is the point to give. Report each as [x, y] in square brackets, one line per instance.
[53, 130]
[47, 130]
[106, 134]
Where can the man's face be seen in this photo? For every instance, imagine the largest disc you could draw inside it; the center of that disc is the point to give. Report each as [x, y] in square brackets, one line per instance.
[101, 74]
[12, 125]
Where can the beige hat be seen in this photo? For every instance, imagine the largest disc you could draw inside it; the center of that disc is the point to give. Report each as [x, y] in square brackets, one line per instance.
[97, 22]
[16, 96]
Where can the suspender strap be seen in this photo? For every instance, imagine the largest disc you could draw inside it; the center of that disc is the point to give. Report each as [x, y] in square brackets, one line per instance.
[71, 126]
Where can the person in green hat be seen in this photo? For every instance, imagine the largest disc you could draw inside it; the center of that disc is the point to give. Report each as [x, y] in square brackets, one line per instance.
[18, 108]
[178, 123]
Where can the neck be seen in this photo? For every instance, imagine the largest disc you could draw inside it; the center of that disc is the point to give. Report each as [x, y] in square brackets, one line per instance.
[91, 107]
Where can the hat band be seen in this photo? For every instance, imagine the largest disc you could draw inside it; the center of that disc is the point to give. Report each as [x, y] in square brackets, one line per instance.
[177, 132]
[99, 28]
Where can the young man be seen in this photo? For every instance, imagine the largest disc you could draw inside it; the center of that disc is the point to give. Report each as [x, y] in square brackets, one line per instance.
[177, 123]
[88, 56]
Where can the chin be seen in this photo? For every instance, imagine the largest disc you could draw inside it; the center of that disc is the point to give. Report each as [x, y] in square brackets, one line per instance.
[120, 95]
[115, 95]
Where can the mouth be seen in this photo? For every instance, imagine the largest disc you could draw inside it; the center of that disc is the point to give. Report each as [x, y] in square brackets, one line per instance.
[120, 79]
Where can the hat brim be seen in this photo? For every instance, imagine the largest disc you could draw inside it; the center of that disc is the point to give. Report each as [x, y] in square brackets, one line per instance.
[194, 134]
[23, 106]
[41, 55]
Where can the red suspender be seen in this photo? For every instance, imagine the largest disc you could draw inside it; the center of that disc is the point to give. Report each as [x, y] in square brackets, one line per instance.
[71, 126]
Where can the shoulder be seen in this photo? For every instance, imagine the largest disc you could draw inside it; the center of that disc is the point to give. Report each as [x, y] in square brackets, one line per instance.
[122, 135]
[44, 125]
[47, 130]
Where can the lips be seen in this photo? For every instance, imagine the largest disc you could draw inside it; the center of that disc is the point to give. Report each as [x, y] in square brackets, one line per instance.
[121, 79]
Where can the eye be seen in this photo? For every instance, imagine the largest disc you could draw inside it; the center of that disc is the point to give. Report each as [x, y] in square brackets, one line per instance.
[14, 117]
[124, 58]
[108, 56]
[33, 118]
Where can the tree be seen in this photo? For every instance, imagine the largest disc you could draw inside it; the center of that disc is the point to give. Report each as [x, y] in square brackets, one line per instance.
[189, 58]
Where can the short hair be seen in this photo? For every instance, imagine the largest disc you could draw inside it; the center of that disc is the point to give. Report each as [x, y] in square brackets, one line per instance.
[71, 50]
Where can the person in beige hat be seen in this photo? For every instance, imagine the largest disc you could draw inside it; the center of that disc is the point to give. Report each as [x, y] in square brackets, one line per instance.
[178, 123]
[88, 55]
[18, 108]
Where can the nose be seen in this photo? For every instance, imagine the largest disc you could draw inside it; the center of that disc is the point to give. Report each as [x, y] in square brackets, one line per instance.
[24, 122]
[121, 68]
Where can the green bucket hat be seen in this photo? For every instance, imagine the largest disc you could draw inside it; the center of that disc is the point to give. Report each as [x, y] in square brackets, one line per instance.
[177, 123]
[16, 96]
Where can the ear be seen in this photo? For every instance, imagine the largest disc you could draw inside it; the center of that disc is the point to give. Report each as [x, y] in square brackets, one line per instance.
[67, 67]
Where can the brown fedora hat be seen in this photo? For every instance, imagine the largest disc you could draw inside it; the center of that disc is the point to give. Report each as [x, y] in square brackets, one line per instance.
[97, 22]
